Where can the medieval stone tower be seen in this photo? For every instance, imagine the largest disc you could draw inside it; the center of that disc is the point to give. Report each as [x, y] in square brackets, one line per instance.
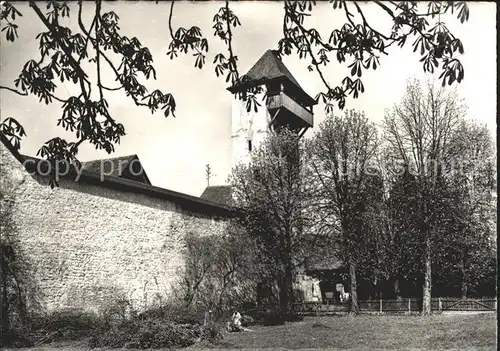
[287, 105]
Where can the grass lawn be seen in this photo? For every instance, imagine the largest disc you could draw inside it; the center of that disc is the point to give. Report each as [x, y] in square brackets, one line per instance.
[476, 331]
[436, 332]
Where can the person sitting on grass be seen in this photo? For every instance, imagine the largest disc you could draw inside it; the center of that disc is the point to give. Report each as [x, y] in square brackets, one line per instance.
[235, 324]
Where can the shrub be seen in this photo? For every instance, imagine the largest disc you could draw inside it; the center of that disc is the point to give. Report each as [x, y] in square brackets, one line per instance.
[119, 310]
[155, 334]
[175, 314]
[66, 325]
[212, 333]
[145, 334]
[169, 326]
[247, 320]
[166, 327]
[115, 335]
[63, 325]
[16, 337]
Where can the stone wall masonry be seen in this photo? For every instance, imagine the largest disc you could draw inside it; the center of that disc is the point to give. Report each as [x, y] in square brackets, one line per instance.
[89, 245]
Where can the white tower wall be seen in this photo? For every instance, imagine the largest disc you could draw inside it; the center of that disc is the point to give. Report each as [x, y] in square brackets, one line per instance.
[247, 126]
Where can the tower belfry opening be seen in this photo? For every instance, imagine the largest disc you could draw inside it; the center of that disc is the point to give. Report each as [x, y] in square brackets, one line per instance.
[287, 105]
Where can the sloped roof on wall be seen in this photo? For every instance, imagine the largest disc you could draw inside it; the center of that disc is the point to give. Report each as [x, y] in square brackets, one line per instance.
[220, 194]
[188, 202]
[117, 166]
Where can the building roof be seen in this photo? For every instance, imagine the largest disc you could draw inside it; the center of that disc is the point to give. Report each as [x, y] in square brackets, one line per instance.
[188, 202]
[114, 166]
[220, 194]
[119, 167]
[270, 67]
[324, 263]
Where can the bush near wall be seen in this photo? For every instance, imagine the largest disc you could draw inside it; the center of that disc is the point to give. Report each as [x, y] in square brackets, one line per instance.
[145, 334]
[163, 327]
[63, 326]
[151, 333]
[60, 326]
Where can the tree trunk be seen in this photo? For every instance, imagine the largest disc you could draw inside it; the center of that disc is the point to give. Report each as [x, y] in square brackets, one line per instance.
[354, 293]
[397, 291]
[376, 289]
[286, 288]
[289, 285]
[426, 303]
[463, 285]
[464, 289]
[284, 295]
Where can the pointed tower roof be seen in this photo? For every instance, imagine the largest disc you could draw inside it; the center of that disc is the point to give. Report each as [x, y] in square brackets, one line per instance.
[270, 67]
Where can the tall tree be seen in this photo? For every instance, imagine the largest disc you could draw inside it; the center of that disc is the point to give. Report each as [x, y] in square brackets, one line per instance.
[342, 150]
[373, 238]
[469, 247]
[419, 131]
[274, 192]
[401, 217]
[76, 51]
[219, 270]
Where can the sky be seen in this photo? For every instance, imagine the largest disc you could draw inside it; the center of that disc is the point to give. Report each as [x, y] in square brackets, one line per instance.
[175, 151]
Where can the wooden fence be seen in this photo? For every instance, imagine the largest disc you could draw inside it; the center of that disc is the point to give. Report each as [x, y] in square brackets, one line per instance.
[402, 305]
[438, 304]
[458, 304]
[315, 307]
[405, 305]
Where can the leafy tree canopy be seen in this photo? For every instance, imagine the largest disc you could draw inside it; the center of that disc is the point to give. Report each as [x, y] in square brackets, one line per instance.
[79, 55]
